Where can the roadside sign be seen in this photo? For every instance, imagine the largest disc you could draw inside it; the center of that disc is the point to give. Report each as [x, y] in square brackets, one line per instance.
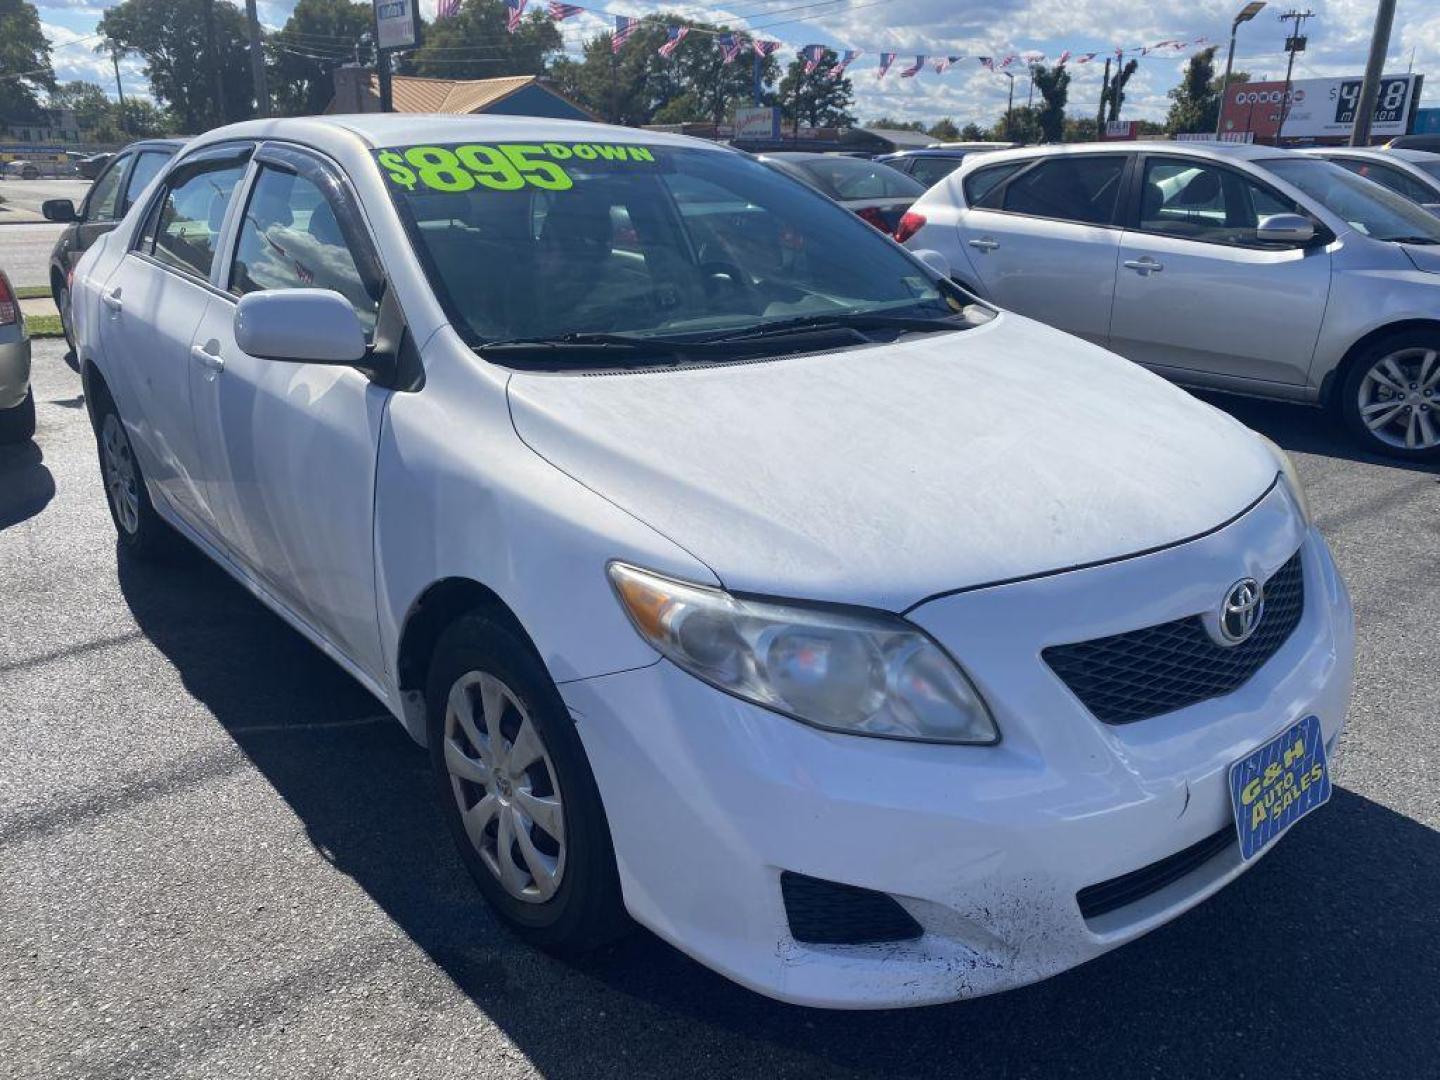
[1319, 108]
[395, 23]
[760, 122]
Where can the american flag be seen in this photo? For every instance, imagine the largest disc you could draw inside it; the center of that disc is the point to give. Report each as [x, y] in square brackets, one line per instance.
[730, 46]
[673, 36]
[913, 69]
[514, 9]
[447, 9]
[813, 54]
[987, 62]
[846, 59]
[1008, 61]
[560, 12]
[624, 27]
[1033, 56]
[1085, 58]
[765, 48]
[942, 64]
[1064, 56]
[886, 59]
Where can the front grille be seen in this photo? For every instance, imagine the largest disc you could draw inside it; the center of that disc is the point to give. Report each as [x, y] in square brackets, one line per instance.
[829, 913]
[1143, 673]
[1127, 888]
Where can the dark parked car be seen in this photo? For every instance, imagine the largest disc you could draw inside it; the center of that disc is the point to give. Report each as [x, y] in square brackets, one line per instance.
[874, 191]
[1415, 142]
[933, 164]
[116, 186]
[89, 167]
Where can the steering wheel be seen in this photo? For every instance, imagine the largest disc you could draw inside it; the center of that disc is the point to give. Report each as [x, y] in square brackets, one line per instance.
[739, 284]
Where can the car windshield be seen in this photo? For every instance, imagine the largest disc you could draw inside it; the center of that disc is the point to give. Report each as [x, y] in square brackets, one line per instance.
[1368, 207]
[625, 243]
[853, 178]
[1430, 168]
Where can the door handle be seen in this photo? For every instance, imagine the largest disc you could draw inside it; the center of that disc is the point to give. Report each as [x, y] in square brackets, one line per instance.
[1145, 265]
[208, 360]
[112, 300]
[985, 243]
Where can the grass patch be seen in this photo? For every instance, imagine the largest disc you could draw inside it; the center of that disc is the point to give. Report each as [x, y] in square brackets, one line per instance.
[44, 326]
[32, 292]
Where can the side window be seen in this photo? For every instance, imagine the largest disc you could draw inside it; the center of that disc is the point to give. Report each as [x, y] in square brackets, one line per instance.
[291, 239]
[147, 165]
[1200, 201]
[1388, 177]
[931, 170]
[1076, 187]
[983, 182]
[187, 218]
[104, 195]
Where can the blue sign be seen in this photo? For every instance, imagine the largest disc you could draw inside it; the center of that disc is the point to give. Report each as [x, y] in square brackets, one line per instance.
[1275, 786]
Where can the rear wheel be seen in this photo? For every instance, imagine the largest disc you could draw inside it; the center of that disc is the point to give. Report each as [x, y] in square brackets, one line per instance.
[17, 424]
[1390, 399]
[516, 789]
[141, 531]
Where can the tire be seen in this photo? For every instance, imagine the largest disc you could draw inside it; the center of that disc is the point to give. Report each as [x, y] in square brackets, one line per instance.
[17, 424]
[564, 892]
[1394, 385]
[141, 531]
[62, 305]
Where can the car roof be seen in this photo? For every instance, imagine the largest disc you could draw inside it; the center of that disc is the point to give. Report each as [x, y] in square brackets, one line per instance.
[153, 144]
[931, 152]
[1376, 153]
[1211, 150]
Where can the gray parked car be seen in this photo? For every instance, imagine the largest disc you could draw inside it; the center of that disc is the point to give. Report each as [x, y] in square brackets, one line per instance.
[17, 402]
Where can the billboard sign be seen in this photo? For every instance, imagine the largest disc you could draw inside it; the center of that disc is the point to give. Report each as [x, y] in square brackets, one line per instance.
[760, 122]
[1120, 130]
[395, 23]
[1319, 108]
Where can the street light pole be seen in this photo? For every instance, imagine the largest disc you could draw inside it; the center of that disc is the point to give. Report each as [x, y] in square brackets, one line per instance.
[1374, 69]
[1248, 12]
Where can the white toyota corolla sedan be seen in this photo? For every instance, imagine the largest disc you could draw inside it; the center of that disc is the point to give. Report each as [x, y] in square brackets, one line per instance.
[872, 646]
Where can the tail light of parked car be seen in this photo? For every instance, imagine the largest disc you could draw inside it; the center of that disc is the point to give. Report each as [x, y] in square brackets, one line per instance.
[9, 306]
[873, 216]
[909, 225]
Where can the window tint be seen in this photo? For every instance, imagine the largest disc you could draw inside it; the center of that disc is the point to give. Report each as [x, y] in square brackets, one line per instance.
[147, 165]
[104, 195]
[931, 170]
[982, 182]
[1078, 187]
[1387, 176]
[291, 239]
[855, 178]
[188, 217]
[1200, 201]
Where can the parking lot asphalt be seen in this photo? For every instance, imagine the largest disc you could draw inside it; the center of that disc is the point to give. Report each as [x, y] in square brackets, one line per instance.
[218, 858]
[25, 253]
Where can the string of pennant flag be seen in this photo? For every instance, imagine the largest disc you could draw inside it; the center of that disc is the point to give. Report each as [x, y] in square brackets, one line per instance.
[734, 44]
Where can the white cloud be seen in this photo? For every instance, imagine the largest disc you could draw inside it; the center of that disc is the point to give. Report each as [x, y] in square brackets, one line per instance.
[73, 57]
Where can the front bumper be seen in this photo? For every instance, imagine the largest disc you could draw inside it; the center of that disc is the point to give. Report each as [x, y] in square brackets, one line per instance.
[14, 366]
[709, 799]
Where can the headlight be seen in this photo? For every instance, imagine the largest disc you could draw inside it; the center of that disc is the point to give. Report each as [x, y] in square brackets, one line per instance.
[863, 674]
[1292, 478]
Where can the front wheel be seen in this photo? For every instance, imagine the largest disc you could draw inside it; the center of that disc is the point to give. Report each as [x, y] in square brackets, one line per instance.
[1390, 399]
[62, 305]
[516, 790]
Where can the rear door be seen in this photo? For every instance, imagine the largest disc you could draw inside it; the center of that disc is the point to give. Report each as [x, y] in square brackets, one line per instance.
[290, 448]
[1043, 238]
[1197, 292]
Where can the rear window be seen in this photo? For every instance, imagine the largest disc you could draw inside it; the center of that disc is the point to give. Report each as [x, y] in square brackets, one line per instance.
[854, 178]
[982, 182]
[1077, 187]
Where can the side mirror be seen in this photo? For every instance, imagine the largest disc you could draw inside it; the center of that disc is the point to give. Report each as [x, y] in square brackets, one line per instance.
[307, 326]
[1285, 229]
[61, 210]
[934, 260]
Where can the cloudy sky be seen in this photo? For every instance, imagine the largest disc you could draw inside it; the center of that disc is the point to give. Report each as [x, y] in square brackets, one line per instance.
[1339, 41]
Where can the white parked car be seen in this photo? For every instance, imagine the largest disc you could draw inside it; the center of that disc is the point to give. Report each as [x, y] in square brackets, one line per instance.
[1415, 174]
[1240, 268]
[739, 572]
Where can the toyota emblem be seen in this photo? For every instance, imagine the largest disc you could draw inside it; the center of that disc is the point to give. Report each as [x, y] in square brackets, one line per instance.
[1240, 611]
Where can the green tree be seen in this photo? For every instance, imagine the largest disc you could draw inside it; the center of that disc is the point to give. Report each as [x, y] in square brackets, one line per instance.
[474, 44]
[628, 87]
[195, 53]
[973, 132]
[24, 60]
[816, 98]
[1113, 96]
[300, 79]
[1196, 101]
[1019, 125]
[700, 73]
[945, 130]
[1054, 86]
[86, 100]
[1081, 129]
[889, 123]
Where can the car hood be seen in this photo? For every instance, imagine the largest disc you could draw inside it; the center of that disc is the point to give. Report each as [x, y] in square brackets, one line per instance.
[883, 475]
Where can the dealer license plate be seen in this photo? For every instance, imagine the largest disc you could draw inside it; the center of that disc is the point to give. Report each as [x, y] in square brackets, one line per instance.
[1275, 786]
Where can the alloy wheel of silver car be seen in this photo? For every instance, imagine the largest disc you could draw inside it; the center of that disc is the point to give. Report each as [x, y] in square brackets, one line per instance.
[1399, 399]
[120, 477]
[506, 786]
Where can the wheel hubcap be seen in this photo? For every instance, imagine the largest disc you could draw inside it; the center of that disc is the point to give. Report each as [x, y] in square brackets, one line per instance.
[119, 468]
[505, 785]
[1395, 396]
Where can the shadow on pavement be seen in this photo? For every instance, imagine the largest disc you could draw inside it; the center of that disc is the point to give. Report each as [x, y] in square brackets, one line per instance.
[1320, 962]
[26, 486]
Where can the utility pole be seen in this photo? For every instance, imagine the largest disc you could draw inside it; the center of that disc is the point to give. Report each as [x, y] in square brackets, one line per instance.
[119, 89]
[257, 62]
[1104, 93]
[1293, 44]
[1248, 12]
[1374, 69]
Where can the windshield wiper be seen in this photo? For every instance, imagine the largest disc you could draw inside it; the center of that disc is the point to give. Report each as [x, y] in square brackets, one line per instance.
[841, 321]
[630, 343]
[1412, 240]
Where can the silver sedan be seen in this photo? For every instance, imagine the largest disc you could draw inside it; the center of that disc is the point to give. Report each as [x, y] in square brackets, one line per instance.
[17, 402]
